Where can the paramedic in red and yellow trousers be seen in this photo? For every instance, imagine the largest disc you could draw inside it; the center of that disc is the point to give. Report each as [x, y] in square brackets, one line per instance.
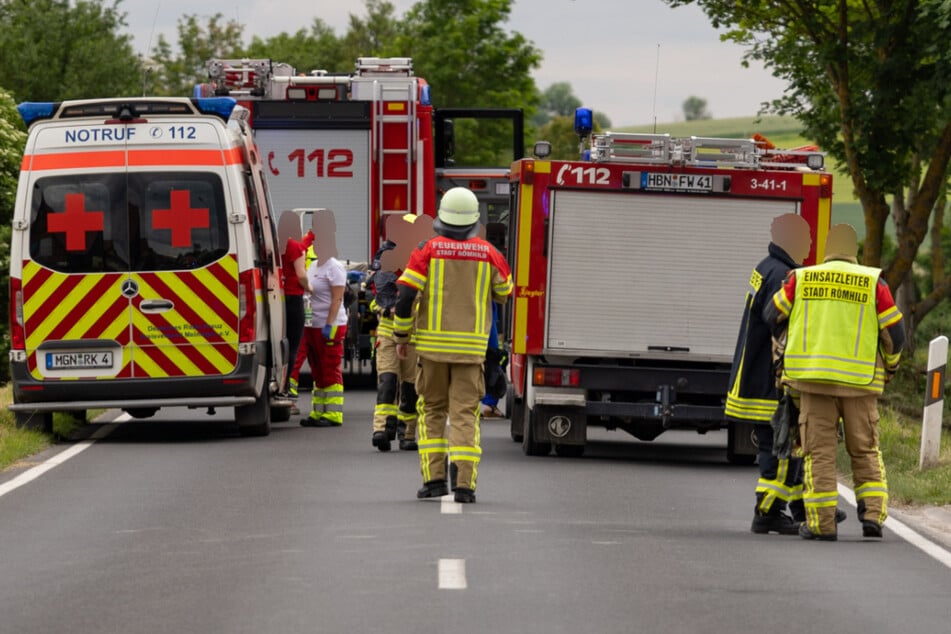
[457, 276]
[843, 340]
[328, 277]
[753, 396]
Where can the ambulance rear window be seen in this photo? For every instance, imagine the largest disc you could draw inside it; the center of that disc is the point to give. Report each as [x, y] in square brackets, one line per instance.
[143, 221]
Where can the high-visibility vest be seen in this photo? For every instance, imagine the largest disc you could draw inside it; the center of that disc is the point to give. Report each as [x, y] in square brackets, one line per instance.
[833, 326]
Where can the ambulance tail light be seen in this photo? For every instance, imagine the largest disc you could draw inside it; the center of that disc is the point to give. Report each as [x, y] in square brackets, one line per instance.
[556, 377]
[247, 306]
[17, 333]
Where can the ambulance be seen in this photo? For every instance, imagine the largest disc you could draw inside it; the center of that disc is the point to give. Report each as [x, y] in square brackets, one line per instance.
[144, 266]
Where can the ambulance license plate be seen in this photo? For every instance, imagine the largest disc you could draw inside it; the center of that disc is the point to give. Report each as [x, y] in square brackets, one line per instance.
[78, 360]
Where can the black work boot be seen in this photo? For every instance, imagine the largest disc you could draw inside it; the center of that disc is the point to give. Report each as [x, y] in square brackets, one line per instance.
[391, 425]
[380, 441]
[775, 521]
[799, 513]
[408, 444]
[464, 496]
[433, 489]
[840, 516]
[872, 529]
[805, 533]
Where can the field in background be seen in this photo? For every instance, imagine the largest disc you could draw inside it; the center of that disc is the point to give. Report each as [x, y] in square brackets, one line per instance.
[784, 132]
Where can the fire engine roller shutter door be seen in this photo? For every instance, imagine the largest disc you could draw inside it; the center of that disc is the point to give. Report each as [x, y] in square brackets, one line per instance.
[631, 271]
[323, 168]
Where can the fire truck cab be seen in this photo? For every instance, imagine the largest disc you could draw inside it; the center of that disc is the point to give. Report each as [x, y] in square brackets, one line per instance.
[630, 269]
[144, 268]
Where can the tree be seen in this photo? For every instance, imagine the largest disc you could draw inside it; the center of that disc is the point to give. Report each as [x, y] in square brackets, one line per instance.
[317, 49]
[556, 100]
[469, 60]
[695, 109]
[560, 132]
[871, 83]
[177, 74]
[53, 51]
[12, 141]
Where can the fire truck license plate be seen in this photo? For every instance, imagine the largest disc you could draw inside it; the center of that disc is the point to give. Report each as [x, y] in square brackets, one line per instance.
[679, 182]
[78, 360]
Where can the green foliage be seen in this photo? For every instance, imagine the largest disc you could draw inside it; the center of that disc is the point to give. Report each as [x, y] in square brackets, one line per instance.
[12, 140]
[560, 132]
[177, 74]
[66, 50]
[316, 49]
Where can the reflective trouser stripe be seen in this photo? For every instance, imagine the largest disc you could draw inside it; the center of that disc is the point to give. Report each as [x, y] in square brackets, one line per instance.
[381, 412]
[328, 403]
[408, 419]
[776, 488]
[878, 490]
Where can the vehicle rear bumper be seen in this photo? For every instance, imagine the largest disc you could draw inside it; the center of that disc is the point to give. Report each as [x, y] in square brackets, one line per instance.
[240, 387]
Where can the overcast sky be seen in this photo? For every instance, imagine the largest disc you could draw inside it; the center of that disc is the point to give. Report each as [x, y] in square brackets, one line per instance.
[635, 60]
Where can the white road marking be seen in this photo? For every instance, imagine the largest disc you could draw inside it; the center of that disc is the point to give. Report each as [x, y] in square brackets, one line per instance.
[909, 535]
[449, 506]
[54, 461]
[452, 574]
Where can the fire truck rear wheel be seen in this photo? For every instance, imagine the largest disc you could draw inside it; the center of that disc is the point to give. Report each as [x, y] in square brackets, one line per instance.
[531, 447]
[516, 412]
[254, 419]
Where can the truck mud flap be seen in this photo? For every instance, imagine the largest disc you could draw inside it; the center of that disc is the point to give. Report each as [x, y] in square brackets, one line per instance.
[560, 425]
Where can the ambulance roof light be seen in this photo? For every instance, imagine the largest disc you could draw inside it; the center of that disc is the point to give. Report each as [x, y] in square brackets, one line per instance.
[34, 110]
[221, 106]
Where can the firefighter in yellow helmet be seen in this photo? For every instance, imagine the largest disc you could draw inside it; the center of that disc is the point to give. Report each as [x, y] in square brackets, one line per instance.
[844, 337]
[457, 275]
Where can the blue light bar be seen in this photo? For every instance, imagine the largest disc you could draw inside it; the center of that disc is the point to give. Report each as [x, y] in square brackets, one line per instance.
[33, 110]
[221, 106]
[584, 121]
[424, 97]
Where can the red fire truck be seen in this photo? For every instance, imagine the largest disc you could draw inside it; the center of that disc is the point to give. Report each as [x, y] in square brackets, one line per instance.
[630, 268]
[367, 145]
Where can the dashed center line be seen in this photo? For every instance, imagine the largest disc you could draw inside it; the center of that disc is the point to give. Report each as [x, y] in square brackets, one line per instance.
[452, 574]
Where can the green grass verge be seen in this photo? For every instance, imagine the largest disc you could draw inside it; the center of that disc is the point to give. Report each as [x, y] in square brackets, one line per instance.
[17, 445]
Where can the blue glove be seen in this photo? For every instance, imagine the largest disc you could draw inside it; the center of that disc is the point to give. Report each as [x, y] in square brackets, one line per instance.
[325, 331]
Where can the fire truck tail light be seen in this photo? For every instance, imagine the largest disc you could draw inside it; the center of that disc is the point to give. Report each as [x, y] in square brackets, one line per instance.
[825, 186]
[17, 334]
[557, 377]
[247, 307]
[477, 185]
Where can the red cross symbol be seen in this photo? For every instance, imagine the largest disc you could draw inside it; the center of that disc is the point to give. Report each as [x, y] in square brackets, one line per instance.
[181, 218]
[75, 222]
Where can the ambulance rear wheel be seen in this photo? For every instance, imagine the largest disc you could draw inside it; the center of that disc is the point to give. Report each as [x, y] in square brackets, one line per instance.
[37, 421]
[530, 446]
[254, 419]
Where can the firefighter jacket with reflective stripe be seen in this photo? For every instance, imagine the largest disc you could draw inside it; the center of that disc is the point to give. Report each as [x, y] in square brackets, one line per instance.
[457, 281]
[836, 311]
[753, 395]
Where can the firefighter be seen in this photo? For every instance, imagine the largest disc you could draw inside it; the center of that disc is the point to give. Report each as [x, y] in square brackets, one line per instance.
[753, 395]
[456, 275]
[394, 375]
[844, 337]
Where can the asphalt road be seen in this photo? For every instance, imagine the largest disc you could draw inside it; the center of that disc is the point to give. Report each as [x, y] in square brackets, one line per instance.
[176, 524]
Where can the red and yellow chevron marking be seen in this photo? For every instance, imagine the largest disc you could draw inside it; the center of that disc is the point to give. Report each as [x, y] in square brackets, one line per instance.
[199, 336]
[57, 307]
